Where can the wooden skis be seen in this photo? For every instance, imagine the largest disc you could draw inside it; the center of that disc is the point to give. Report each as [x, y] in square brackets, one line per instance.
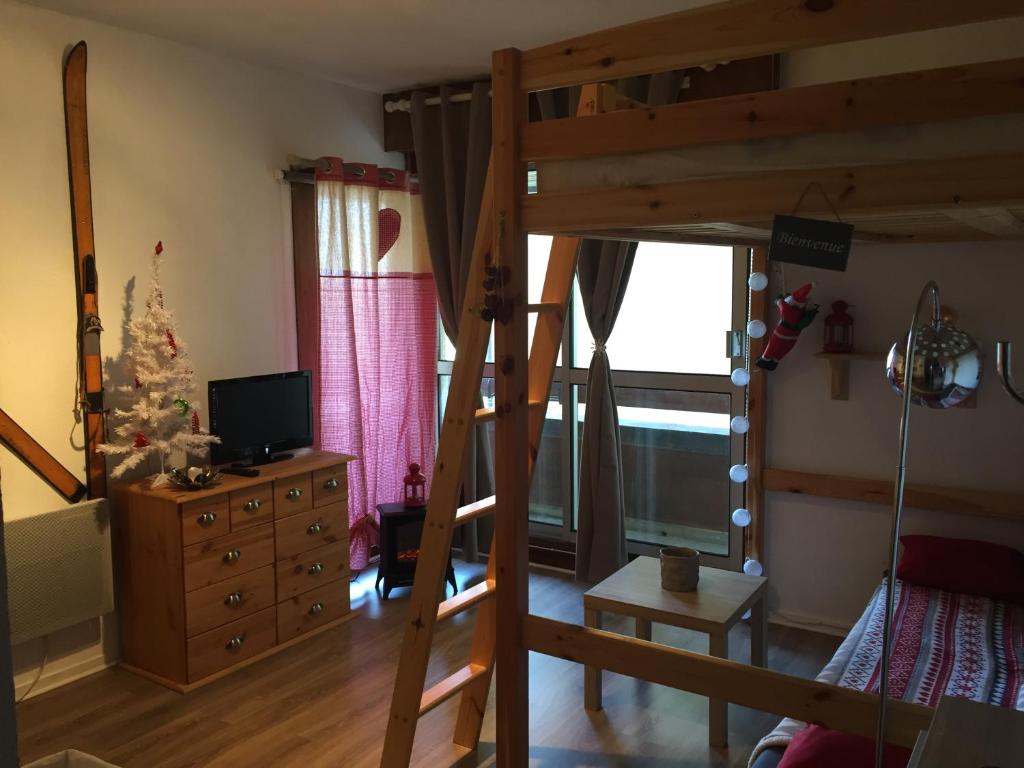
[89, 327]
[39, 459]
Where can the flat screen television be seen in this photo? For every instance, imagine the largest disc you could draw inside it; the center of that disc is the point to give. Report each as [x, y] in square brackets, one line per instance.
[257, 417]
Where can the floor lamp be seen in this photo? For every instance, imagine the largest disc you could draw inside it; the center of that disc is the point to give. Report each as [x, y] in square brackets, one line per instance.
[937, 366]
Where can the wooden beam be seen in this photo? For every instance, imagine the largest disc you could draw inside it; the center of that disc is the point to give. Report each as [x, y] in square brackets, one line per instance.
[512, 478]
[39, 459]
[757, 414]
[992, 88]
[844, 709]
[979, 503]
[740, 29]
[922, 185]
[992, 221]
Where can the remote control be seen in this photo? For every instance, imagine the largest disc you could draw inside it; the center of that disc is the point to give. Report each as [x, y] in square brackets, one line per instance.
[243, 471]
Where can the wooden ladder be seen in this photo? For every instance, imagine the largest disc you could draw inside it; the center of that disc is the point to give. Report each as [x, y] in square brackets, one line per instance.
[411, 699]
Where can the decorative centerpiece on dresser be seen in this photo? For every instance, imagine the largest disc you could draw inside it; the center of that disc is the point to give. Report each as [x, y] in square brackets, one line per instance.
[214, 579]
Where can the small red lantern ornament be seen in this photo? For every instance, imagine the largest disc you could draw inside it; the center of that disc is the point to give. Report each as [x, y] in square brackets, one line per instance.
[839, 329]
[415, 487]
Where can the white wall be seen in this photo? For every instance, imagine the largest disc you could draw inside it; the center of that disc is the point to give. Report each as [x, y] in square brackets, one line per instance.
[183, 149]
[825, 557]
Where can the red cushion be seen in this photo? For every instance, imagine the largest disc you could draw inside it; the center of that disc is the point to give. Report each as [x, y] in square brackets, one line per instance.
[963, 565]
[817, 747]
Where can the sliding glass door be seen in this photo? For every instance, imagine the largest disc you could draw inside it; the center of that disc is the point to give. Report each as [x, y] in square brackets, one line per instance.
[674, 397]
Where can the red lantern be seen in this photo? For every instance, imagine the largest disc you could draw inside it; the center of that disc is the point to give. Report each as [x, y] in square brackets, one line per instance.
[415, 487]
[839, 329]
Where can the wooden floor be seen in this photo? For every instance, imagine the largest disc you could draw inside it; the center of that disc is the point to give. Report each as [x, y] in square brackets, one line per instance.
[325, 702]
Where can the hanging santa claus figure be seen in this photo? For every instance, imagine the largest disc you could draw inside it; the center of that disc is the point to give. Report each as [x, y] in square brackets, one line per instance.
[794, 316]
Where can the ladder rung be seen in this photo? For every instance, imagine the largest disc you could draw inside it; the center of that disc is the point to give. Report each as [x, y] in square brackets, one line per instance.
[487, 414]
[544, 306]
[466, 599]
[475, 510]
[445, 689]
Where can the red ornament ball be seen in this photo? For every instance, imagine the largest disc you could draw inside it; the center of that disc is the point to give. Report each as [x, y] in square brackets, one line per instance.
[141, 441]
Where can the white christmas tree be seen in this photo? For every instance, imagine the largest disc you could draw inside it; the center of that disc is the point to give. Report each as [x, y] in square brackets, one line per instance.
[162, 418]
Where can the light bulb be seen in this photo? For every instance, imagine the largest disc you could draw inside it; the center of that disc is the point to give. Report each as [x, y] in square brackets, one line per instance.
[738, 473]
[756, 329]
[740, 377]
[752, 568]
[739, 425]
[741, 517]
[746, 615]
[757, 281]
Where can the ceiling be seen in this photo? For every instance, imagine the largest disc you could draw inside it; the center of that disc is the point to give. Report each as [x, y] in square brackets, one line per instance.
[379, 45]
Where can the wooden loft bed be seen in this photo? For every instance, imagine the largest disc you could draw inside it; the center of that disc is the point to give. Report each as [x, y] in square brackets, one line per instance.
[952, 194]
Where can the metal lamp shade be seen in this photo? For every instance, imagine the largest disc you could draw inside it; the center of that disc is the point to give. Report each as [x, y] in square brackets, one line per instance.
[946, 368]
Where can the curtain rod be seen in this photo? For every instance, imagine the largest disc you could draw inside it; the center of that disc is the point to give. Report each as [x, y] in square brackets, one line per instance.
[404, 105]
[297, 163]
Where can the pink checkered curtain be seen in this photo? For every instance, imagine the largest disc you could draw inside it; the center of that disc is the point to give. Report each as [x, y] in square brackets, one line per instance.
[378, 336]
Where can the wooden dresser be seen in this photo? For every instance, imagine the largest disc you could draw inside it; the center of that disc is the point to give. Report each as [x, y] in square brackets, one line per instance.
[215, 579]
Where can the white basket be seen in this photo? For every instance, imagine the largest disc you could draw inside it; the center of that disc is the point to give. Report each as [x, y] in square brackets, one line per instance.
[70, 758]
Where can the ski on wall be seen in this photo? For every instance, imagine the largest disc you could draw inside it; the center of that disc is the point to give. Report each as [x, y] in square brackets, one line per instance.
[89, 327]
[39, 459]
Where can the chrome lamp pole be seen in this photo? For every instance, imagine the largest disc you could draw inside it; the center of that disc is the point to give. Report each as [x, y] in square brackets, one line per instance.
[937, 366]
[1004, 367]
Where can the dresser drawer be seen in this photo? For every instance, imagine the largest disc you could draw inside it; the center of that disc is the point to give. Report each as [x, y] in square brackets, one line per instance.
[330, 485]
[204, 519]
[312, 569]
[222, 647]
[311, 610]
[252, 506]
[228, 556]
[293, 495]
[301, 533]
[228, 600]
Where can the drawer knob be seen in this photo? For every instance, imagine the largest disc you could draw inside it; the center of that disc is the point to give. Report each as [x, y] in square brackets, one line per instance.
[331, 484]
[294, 493]
[253, 505]
[207, 519]
[316, 569]
[233, 600]
[315, 608]
[232, 556]
[315, 528]
[235, 643]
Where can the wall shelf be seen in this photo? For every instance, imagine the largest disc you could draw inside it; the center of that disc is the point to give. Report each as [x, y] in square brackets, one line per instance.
[839, 368]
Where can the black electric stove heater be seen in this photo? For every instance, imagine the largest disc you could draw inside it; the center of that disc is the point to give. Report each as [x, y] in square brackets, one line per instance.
[400, 530]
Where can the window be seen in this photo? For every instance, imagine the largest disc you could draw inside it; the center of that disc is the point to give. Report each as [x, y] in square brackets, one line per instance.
[673, 393]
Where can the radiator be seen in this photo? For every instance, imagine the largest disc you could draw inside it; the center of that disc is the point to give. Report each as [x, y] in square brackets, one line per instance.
[58, 569]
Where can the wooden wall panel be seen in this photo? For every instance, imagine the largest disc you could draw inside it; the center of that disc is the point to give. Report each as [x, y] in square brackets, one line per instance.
[307, 290]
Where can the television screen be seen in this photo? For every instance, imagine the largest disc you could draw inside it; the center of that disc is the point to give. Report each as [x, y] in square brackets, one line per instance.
[258, 415]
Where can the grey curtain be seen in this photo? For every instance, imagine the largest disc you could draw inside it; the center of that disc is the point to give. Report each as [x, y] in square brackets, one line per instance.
[452, 142]
[603, 273]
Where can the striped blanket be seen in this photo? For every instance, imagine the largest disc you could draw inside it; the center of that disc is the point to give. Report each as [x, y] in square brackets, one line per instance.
[944, 644]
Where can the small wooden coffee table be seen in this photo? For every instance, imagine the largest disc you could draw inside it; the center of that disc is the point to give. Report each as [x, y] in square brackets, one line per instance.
[721, 599]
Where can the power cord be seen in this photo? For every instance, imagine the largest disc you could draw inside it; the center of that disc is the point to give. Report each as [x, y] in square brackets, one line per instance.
[39, 674]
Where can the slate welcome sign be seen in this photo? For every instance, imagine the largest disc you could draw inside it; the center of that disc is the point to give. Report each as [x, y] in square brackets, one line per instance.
[811, 242]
